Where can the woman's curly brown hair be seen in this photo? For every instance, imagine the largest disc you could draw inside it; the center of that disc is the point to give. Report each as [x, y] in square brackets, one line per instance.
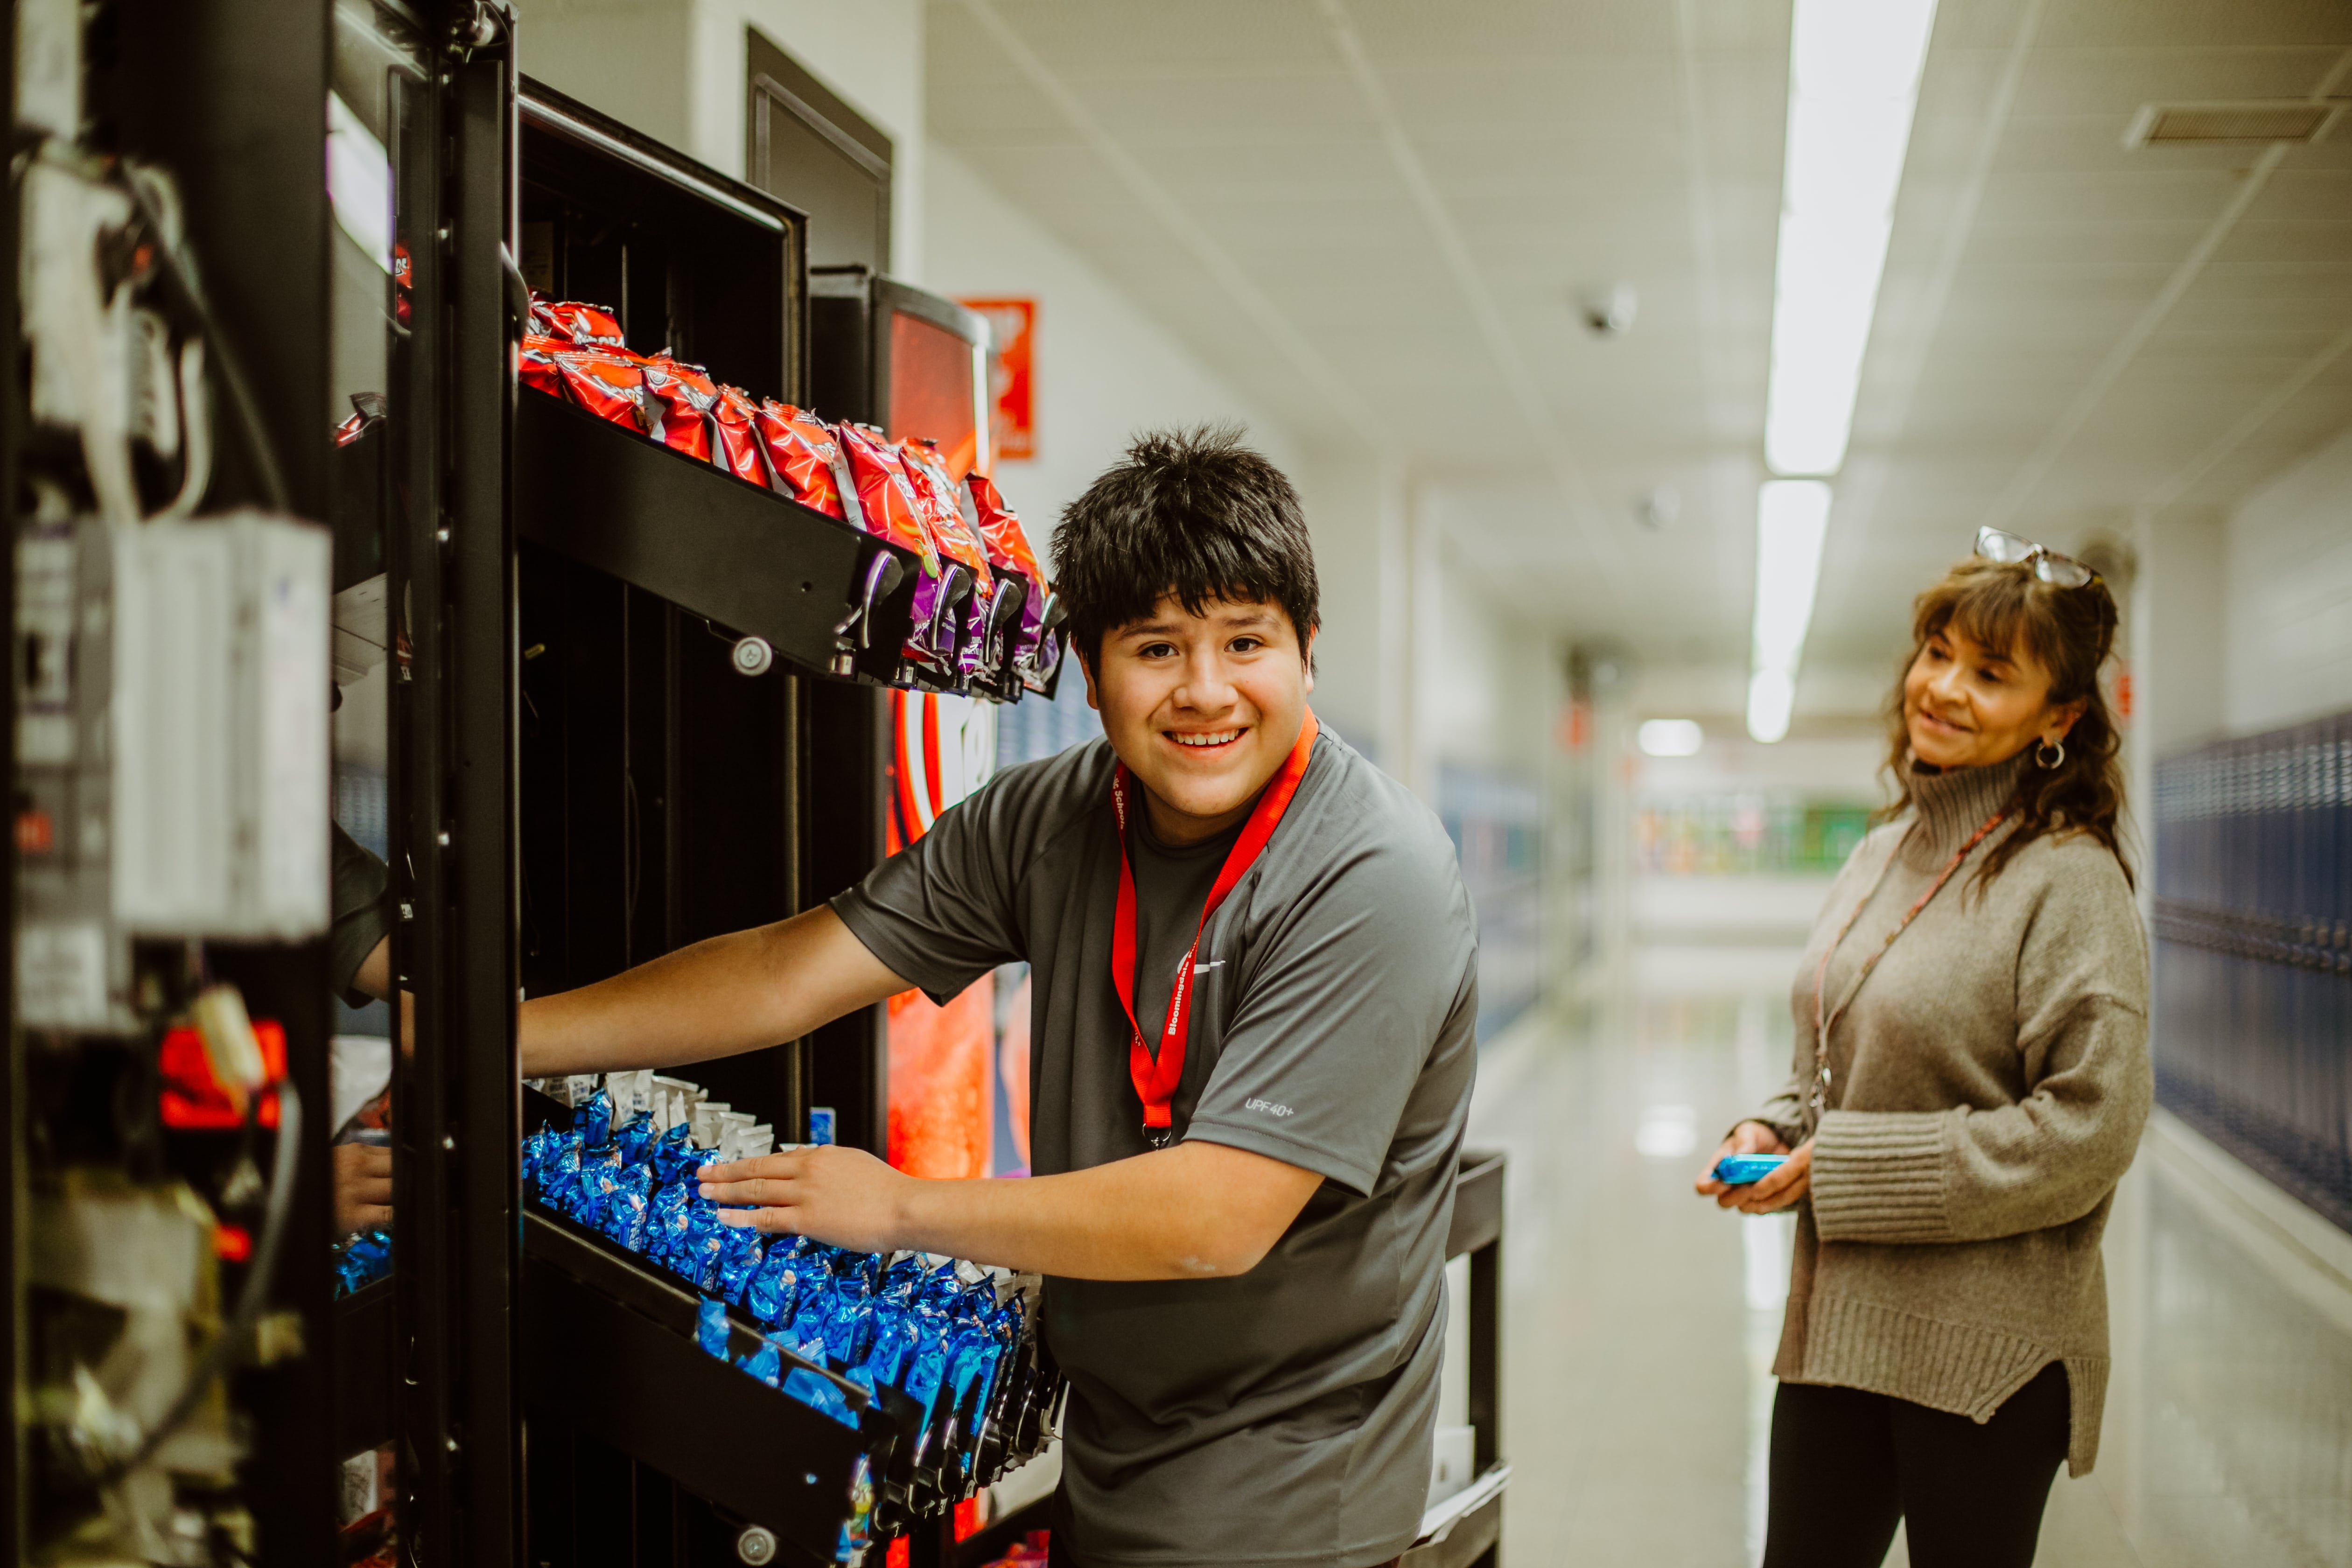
[2071, 632]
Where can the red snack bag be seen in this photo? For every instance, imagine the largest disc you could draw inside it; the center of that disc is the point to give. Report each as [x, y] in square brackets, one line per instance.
[1008, 542]
[886, 495]
[936, 493]
[1035, 643]
[582, 326]
[535, 365]
[943, 512]
[681, 401]
[806, 460]
[608, 385]
[741, 451]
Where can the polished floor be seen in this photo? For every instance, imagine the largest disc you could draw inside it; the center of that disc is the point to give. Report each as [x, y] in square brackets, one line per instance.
[1641, 1320]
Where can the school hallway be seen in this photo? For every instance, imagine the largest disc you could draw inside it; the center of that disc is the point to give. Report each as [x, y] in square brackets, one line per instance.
[1640, 1320]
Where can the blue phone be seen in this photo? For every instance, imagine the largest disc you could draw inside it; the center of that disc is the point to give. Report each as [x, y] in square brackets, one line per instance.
[1738, 1170]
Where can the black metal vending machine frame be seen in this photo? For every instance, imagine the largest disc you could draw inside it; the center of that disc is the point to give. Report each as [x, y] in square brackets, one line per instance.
[457, 1124]
[210, 121]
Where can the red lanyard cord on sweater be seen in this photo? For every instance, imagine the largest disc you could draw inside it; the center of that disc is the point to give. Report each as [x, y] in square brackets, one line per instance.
[1817, 1101]
[1155, 1076]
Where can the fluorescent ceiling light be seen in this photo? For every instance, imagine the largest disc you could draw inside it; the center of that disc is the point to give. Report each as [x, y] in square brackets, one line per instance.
[1853, 82]
[1671, 738]
[1772, 699]
[1791, 519]
[1791, 523]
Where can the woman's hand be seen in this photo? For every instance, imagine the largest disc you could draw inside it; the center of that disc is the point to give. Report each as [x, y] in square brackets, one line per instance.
[1748, 1138]
[1779, 1189]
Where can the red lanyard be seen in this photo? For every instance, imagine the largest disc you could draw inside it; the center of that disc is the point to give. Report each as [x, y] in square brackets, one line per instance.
[1817, 1100]
[1156, 1076]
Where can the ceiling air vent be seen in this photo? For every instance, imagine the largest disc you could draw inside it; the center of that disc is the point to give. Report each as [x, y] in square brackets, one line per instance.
[2260, 119]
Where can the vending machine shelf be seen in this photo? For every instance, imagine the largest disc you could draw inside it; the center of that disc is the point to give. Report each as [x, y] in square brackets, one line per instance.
[830, 597]
[609, 1348]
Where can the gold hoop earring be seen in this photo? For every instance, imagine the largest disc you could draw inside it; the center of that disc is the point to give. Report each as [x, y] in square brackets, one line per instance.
[2048, 764]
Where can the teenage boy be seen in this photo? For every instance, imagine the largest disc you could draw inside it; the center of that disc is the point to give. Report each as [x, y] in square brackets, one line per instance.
[1254, 976]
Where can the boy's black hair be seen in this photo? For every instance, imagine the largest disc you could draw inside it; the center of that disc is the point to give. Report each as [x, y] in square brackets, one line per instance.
[1192, 514]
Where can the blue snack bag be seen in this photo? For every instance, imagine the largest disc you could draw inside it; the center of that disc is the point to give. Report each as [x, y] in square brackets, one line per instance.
[364, 1259]
[809, 1316]
[561, 1174]
[697, 1257]
[597, 1185]
[817, 1393]
[634, 1139]
[665, 1223]
[894, 1345]
[766, 1364]
[627, 1208]
[739, 1251]
[926, 1366]
[674, 1156]
[773, 1288]
[711, 1328]
[593, 1117]
[849, 1321]
[538, 1151]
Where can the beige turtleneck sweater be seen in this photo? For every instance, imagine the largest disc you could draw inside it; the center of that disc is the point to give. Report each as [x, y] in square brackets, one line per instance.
[1989, 1080]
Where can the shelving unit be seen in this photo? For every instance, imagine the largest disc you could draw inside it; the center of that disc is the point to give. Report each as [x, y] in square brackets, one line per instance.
[1472, 1541]
[611, 1350]
[820, 592]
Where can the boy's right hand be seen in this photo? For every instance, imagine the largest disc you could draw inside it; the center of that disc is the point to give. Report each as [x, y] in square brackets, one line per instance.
[1748, 1138]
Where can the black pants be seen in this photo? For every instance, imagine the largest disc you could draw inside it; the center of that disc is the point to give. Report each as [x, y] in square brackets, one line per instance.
[1846, 1465]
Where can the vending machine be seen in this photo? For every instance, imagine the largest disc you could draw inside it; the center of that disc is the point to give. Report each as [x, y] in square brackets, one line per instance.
[435, 585]
[722, 580]
[263, 773]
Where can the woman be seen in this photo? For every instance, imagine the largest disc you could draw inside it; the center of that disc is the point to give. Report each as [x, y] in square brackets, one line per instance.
[1971, 1076]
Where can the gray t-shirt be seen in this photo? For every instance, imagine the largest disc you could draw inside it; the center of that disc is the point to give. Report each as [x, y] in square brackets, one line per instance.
[1283, 1416]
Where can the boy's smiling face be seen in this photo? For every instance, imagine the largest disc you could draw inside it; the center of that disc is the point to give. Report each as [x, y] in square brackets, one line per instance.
[1201, 708]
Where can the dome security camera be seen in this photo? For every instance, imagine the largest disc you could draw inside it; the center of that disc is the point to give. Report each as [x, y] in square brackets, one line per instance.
[1608, 311]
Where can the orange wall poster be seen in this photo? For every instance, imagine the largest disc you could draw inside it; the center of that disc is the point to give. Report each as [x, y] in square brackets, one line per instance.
[1014, 323]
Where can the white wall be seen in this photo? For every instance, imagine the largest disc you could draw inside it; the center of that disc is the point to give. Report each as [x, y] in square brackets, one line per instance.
[1487, 685]
[675, 69]
[1357, 512]
[629, 59]
[2287, 596]
[2175, 631]
[1103, 371]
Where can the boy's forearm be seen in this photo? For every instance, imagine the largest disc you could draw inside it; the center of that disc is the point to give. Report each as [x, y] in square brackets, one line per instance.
[1196, 1211]
[735, 993]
